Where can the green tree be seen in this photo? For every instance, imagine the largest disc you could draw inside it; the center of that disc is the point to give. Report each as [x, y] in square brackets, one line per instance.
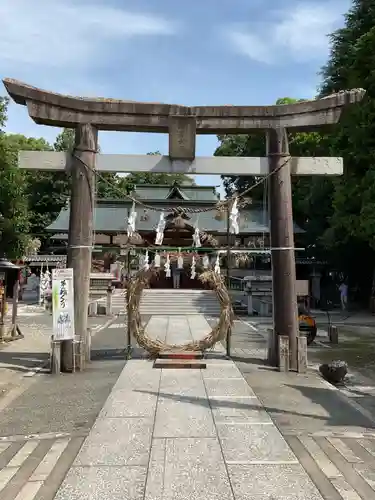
[312, 196]
[352, 224]
[14, 220]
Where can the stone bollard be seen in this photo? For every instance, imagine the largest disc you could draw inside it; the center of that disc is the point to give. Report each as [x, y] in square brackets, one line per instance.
[333, 334]
[283, 353]
[88, 346]
[302, 354]
[109, 301]
[55, 357]
[93, 308]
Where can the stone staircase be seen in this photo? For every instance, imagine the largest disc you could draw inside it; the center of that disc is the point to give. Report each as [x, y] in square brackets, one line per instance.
[173, 302]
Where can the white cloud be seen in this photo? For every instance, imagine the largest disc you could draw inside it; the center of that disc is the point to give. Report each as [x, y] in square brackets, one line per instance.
[299, 33]
[68, 33]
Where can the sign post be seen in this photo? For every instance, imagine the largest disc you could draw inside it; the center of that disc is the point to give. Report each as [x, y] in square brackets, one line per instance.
[63, 304]
[62, 315]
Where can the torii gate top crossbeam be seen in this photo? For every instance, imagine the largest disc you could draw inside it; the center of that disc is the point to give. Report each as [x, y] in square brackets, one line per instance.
[48, 108]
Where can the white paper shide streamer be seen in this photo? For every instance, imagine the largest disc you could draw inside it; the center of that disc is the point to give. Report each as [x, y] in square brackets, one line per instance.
[157, 260]
[206, 262]
[196, 238]
[217, 265]
[193, 273]
[160, 230]
[131, 221]
[167, 267]
[234, 216]
[146, 265]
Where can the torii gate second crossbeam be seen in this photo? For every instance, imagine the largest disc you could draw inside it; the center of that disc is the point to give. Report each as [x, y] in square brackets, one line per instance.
[182, 123]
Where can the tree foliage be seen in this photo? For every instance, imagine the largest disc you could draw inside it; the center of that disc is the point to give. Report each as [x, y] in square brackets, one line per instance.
[137, 178]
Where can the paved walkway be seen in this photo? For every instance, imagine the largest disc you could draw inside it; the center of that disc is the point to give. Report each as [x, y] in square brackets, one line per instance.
[175, 434]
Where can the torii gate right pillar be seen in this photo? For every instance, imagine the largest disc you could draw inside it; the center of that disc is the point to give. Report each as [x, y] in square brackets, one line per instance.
[284, 300]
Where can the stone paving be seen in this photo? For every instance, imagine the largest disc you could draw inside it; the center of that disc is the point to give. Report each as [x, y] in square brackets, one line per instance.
[176, 434]
[331, 436]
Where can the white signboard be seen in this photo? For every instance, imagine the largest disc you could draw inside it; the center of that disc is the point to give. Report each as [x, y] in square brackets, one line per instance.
[63, 304]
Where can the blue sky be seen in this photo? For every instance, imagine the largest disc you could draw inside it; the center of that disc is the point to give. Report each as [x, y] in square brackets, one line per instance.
[186, 52]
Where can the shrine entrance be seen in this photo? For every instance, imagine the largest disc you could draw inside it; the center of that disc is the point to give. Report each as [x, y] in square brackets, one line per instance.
[182, 123]
[186, 281]
[178, 242]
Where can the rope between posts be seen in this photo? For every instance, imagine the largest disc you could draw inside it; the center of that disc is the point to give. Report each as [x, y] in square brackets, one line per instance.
[178, 210]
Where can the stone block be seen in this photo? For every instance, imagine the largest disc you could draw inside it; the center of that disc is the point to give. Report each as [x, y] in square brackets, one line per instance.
[264, 482]
[125, 403]
[253, 443]
[220, 371]
[238, 410]
[195, 470]
[182, 137]
[155, 477]
[283, 353]
[192, 364]
[190, 417]
[302, 354]
[117, 442]
[102, 483]
[228, 388]
[181, 355]
[183, 383]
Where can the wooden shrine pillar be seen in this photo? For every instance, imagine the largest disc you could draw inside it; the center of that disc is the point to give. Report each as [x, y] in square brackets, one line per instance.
[285, 311]
[80, 238]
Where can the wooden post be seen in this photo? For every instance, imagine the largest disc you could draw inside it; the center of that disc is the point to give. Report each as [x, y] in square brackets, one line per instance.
[229, 332]
[15, 329]
[80, 237]
[128, 312]
[285, 316]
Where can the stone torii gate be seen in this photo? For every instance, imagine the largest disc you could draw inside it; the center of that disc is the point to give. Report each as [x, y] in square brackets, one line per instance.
[182, 123]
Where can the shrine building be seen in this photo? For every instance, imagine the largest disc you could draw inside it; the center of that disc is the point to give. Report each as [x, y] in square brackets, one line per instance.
[196, 206]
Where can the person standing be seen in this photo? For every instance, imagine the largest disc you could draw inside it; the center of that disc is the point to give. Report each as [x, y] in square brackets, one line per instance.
[177, 267]
[343, 288]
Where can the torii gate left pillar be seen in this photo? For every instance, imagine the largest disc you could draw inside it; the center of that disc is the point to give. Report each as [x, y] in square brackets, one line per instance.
[182, 123]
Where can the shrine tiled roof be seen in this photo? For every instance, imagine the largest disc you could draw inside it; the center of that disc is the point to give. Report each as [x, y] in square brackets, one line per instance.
[182, 192]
